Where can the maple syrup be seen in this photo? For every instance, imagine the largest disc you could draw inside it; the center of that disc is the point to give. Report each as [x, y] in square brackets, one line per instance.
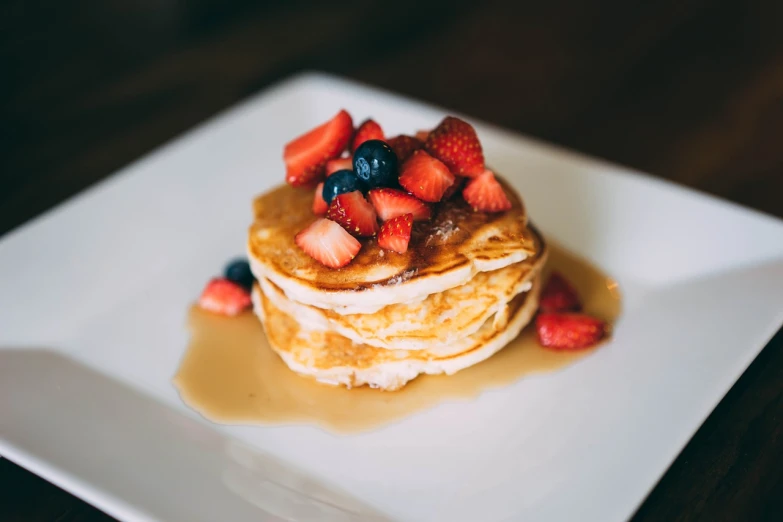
[230, 375]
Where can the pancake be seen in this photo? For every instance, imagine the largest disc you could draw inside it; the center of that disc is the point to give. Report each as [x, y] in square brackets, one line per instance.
[443, 253]
[445, 318]
[333, 359]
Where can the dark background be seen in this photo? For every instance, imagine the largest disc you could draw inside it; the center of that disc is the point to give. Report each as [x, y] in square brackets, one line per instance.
[687, 90]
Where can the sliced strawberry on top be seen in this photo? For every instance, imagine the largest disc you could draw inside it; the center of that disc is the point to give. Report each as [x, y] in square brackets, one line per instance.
[456, 144]
[319, 204]
[485, 193]
[403, 146]
[558, 296]
[333, 165]
[225, 297]
[328, 243]
[565, 331]
[456, 187]
[425, 177]
[306, 156]
[390, 203]
[395, 234]
[354, 213]
[422, 135]
[368, 130]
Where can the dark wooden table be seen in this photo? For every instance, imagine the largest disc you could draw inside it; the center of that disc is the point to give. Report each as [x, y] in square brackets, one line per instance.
[688, 90]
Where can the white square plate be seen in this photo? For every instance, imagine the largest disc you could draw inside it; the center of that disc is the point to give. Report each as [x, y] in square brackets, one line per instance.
[94, 294]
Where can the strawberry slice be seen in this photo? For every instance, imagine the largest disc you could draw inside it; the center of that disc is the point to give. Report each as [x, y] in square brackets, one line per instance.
[333, 165]
[224, 297]
[403, 146]
[395, 234]
[559, 296]
[354, 213]
[456, 187]
[456, 144]
[484, 193]
[306, 156]
[390, 203]
[422, 135]
[328, 243]
[368, 130]
[425, 177]
[564, 331]
[319, 204]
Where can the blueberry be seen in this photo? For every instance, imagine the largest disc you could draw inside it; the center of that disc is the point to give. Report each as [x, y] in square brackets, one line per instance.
[375, 163]
[341, 182]
[239, 272]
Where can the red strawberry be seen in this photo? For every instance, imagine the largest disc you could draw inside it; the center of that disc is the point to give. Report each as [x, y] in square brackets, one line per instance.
[354, 213]
[396, 233]
[224, 297]
[368, 130]
[422, 135]
[390, 203]
[328, 243]
[425, 177]
[319, 204]
[456, 187]
[455, 143]
[559, 296]
[485, 193]
[333, 165]
[306, 156]
[561, 331]
[404, 146]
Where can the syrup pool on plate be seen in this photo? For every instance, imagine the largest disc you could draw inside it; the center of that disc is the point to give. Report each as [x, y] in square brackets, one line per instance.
[230, 375]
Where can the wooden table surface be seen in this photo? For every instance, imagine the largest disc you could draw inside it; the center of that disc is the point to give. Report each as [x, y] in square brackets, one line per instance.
[687, 90]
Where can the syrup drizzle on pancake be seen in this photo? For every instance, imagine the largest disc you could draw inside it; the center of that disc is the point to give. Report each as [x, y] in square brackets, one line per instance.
[444, 252]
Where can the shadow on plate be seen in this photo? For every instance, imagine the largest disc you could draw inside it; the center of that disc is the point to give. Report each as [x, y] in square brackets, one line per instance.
[134, 457]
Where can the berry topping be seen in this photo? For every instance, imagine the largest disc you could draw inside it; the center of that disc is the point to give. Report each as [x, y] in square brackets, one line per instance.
[338, 164]
[354, 213]
[422, 135]
[328, 243]
[403, 146]
[390, 203]
[559, 296]
[225, 297]
[238, 271]
[375, 163]
[563, 331]
[396, 233]
[339, 183]
[485, 193]
[455, 143]
[319, 205]
[369, 130]
[425, 177]
[306, 156]
[456, 187]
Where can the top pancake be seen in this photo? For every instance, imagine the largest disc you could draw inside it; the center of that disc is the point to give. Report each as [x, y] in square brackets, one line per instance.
[443, 253]
[441, 319]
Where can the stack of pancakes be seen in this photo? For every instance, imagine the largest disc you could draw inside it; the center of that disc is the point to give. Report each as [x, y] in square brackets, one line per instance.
[467, 285]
